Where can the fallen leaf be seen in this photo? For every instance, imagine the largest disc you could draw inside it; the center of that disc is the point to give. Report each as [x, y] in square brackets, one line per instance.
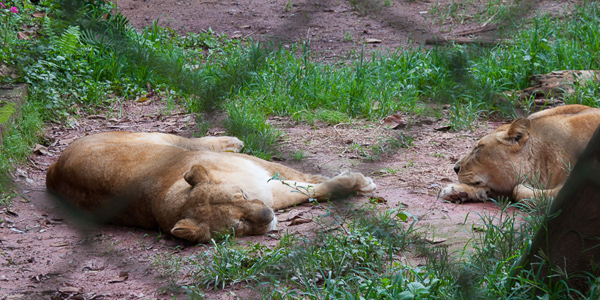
[142, 99]
[122, 277]
[61, 244]
[245, 26]
[20, 172]
[372, 41]
[11, 213]
[294, 214]
[22, 36]
[69, 290]
[377, 200]
[39, 149]
[443, 128]
[17, 230]
[38, 15]
[298, 221]
[235, 36]
[436, 240]
[394, 121]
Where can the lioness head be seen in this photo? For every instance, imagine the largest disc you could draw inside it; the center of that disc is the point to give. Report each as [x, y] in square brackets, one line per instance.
[218, 206]
[498, 159]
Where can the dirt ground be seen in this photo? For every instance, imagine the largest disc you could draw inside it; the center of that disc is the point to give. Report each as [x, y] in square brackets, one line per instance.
[46, 255]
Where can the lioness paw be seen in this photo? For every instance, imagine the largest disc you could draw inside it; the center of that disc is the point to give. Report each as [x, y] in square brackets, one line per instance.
[365, 184]
[460, 193]
[231, 144]
[360, 184]
[222, 143]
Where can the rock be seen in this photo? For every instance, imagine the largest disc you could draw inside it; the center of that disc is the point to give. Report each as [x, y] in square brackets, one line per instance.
[12, 98]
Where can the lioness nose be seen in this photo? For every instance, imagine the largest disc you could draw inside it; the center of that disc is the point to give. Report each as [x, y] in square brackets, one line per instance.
[456, 168]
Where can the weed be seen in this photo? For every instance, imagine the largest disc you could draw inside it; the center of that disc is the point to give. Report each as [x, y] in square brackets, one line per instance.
[299, 155]
[347, 36]
[169, 266]
[390, 170]
[438, 155]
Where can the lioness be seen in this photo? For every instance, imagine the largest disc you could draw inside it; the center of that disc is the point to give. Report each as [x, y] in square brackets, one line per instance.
[538, 150]
[183, 185]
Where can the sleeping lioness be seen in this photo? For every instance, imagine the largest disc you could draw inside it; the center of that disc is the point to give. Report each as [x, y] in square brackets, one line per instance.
[184, 186]
[537, 151]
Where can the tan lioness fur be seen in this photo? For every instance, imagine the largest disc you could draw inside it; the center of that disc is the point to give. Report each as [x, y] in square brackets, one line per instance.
[527, 158]
[155, 180]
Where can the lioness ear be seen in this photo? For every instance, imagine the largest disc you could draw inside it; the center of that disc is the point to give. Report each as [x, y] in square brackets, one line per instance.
[189, 230]
[196, 174]
[519, 131]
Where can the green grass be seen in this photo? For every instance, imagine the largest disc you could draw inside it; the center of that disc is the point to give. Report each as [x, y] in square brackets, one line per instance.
[81, 60]
[357, 256]
[354, 247]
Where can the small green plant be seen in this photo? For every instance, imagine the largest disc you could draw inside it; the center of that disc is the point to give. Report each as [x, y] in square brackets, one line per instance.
[299, 155]
[10, 19]
[438, 155]
[288, 5]
[347, 36]
[388, 145]
[171, 267]
[390, 170]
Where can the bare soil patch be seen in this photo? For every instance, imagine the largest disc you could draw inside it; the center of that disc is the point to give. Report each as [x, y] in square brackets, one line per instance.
[46, 253]
[336, 29]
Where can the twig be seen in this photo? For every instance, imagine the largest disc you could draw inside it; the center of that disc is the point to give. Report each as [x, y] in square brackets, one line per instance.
[464, 41]
[335, 127]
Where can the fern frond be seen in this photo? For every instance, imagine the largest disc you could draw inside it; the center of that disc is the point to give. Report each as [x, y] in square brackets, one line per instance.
[69, 41]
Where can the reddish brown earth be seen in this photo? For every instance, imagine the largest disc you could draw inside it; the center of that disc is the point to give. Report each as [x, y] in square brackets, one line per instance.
[44, 254]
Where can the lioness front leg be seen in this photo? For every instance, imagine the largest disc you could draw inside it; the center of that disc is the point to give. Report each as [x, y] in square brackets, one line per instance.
[290, 192]
[523, 192]
[460, 193]
[214, 143]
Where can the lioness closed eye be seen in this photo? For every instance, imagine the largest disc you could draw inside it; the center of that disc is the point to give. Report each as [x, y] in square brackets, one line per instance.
[536, 151]
[184, 186]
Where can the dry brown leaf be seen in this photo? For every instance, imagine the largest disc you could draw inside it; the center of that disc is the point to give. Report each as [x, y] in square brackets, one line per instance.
[61, 244]
[69, 290]
[122, 277]
[39, 14]
[22, 36]
[394, 121]
[298, 221]
[39, 149]
[378, 200]
[436, 240]
[294, 214]
[443, 128]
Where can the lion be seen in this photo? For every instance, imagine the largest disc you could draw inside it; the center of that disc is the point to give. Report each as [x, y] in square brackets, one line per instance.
[192, 188]
[528, 158]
